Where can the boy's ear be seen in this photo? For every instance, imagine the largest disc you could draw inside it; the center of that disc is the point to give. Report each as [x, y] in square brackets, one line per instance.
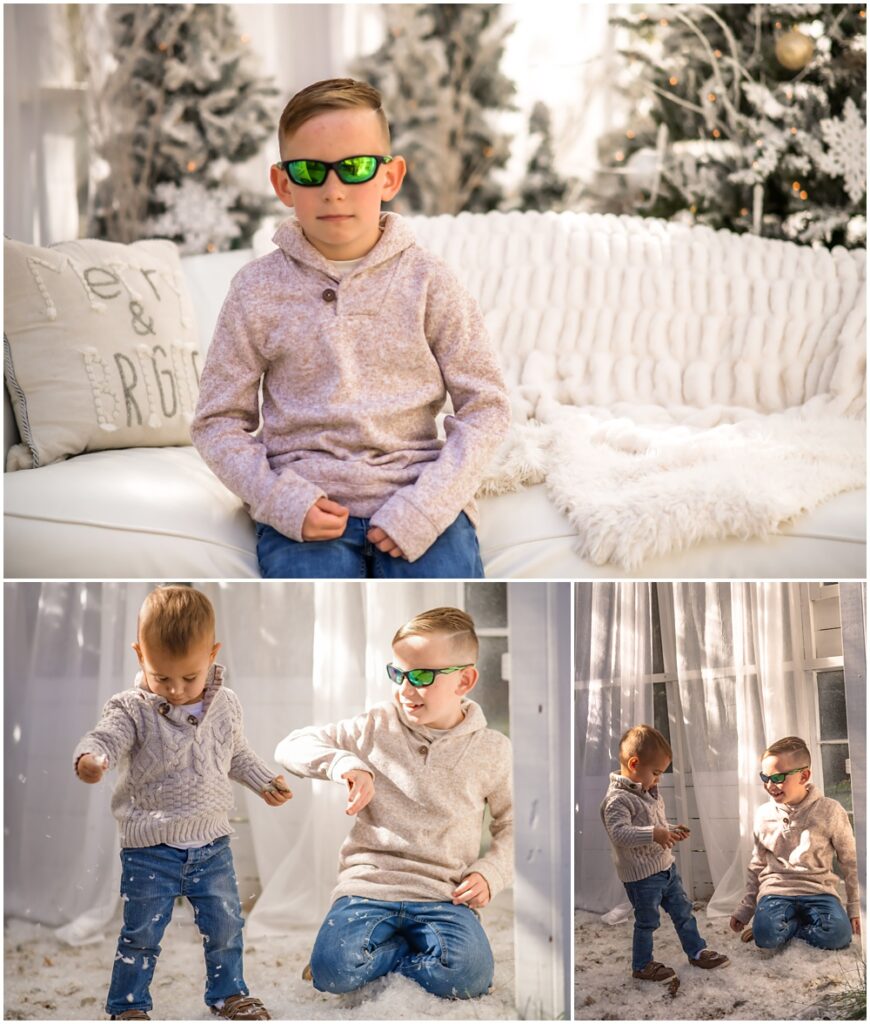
[281, 184]
[394, 175]
[138, 651]
[213, 654]
[632, 763]
[467, 680]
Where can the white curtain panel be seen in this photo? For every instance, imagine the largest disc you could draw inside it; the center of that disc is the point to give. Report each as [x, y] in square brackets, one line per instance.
[297, 654]
[612, 657]
[740, 673]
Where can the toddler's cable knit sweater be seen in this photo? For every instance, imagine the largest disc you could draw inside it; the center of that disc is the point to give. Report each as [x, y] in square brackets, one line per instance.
[794, 853]
[174, 775]
[420, 835]
[630, 815]
[354, 374]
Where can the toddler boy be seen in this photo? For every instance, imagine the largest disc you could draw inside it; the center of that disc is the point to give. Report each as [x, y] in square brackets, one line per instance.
[419, 769]
[791, 886]
[358, 335]
[176, 738]
[633, 813]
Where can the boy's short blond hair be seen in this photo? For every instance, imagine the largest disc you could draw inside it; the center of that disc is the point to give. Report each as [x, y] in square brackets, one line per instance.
[643, 742]
[331, 94]
[452, 622]
[173, 618]
[792, 746]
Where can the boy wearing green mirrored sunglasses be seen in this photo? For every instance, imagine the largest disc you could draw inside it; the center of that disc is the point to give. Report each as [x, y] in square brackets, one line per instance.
[419, 770]
[359, 336]
[792, 890]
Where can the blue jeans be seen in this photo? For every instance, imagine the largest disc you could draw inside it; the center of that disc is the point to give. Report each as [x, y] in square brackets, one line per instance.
[151, 878]
[819, 920]
[440, 946]
[663, 889]
[453, 555]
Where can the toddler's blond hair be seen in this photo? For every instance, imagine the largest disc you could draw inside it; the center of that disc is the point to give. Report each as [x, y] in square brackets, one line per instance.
[173, 618]
[643, 742]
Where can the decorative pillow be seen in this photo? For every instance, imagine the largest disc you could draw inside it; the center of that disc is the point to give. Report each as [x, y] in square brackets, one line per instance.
[100, 348]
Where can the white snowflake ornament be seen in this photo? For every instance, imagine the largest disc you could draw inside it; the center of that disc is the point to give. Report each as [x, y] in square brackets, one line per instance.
[846, 156]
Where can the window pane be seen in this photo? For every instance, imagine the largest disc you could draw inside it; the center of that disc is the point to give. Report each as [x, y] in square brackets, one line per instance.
[837, 783]
[486, 603]
[832, 705]
[491, 692]
[660, 714]
[658, 657]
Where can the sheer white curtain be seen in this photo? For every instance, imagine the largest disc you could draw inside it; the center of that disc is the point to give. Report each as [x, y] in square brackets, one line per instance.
[297, 654]
[613, 662]
[739, 662]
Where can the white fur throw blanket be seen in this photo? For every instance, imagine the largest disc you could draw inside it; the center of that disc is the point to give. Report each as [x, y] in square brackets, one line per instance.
[671, 384]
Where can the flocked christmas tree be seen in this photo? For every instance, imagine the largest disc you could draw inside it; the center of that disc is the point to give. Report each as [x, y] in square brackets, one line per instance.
[181, 105]
[438, 70]
[748, 117]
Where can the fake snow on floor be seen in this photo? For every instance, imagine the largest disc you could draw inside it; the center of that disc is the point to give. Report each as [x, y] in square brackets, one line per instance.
[797, 983]
[49, 980]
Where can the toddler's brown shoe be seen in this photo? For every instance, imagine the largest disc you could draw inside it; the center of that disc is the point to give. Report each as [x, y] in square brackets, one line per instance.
[241, 1007]
[654, 971]
[130, 1015]
[708, 959]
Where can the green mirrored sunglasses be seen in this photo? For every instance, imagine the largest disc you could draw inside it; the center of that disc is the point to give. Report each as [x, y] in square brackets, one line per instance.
[421, 676]
[779, 777]
[352, 170]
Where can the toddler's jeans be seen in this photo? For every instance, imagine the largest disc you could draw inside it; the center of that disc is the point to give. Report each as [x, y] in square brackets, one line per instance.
[440, 946]
[151, 879]
[453, 555]
[663, 889]
[819, 920]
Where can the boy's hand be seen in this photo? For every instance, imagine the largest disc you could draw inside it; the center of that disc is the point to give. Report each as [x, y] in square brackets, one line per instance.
[90, 768]
[278, 792]
[325, 520]
[680, 832]
[735, 925]
[856, 925]
[384, 543]
[665, 837]
[473, 891]
[360, 790]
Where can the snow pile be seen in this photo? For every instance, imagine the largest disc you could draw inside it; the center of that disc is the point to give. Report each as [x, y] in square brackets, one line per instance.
[47, 980]
[757, 984]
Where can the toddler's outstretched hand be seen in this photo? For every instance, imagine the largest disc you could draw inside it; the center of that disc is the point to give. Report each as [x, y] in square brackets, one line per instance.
[360, 790]
[473, 891]
[90, 768]
[383, 542]
[325, 520]
[278, 792]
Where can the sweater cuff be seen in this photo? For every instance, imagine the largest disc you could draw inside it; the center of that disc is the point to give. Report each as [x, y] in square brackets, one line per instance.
[347, 763]
[853, 910]
[494, 878]
[410, 528]
[287, 504]
[258, 777]
[744, 912]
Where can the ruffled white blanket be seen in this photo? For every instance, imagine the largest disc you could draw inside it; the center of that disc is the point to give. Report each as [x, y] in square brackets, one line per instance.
[670, 384]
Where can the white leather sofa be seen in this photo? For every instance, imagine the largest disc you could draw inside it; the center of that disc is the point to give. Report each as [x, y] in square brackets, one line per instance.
[159, 513]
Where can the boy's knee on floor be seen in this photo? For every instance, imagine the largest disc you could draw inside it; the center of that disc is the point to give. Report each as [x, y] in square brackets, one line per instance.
[336, 969]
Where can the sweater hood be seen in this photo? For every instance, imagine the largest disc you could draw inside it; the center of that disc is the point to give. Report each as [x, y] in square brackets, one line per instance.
[213, 682]
[396, 236]
[618, 781]
[473, 721]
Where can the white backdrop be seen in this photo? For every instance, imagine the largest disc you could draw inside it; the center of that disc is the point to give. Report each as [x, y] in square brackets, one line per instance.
[297, 653]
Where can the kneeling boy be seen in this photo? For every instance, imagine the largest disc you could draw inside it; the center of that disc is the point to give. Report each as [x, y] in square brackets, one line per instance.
[791, 886]
[419, 769]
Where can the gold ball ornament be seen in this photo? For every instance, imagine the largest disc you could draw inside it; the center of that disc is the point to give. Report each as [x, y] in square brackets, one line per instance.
[794, 50]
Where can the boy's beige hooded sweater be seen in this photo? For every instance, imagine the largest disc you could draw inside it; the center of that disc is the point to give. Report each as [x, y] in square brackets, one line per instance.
[420, 835]
[794, 853]
[354, 374]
